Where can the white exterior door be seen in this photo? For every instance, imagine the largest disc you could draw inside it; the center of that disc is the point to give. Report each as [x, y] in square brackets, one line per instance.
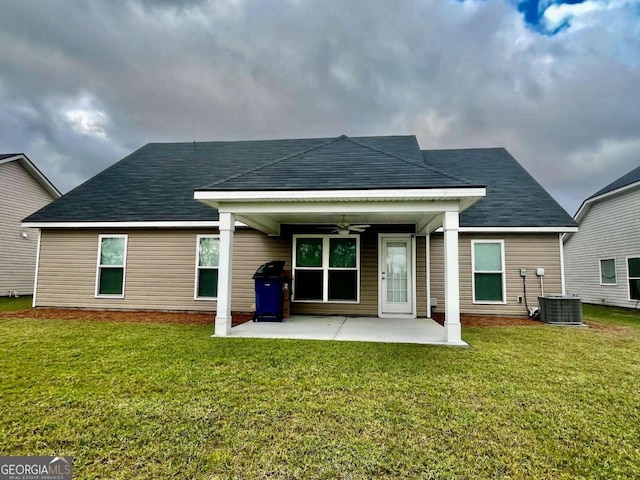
[396, 275]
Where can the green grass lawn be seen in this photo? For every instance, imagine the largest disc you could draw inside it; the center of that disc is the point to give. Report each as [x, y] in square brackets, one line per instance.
[9, 304]
[140, 401]
[611, 315]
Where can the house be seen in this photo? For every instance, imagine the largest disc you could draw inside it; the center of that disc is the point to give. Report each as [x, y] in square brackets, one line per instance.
[23, 190]
[603, 258]
[183, 226]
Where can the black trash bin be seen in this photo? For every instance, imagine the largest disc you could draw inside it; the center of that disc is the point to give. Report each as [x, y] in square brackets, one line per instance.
[269, 283]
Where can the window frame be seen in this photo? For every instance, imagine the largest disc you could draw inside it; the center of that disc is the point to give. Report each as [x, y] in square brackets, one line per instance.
[502, 272]
[99, 267]
[629, 278]
[325, 268]
[196, 280]
[615, 272]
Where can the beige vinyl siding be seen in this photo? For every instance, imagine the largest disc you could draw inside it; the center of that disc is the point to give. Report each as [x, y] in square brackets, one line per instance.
[160, 271]
[609, 230]
[250, 250]
[421, 277]
[20, 196]
[530, 251]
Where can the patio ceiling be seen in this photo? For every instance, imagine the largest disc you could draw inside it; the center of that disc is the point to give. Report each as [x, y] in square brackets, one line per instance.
[267, 211]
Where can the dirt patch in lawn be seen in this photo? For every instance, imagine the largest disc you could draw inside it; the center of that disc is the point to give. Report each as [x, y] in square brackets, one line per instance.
[190, 318]
[489, 321]
[606, 327]
[198, 318]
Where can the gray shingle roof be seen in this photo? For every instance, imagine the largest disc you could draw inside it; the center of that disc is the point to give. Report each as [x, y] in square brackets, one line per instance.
[344, 163]
[514, 198]
[632, 177]
[156, 182]
[8, 155]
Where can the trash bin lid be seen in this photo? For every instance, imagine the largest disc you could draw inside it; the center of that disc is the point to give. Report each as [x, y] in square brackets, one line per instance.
[272, 269]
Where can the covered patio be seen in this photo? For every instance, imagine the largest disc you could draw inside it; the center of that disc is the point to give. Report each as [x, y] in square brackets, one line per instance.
[340, 183]
[426, 209]
[340, 328]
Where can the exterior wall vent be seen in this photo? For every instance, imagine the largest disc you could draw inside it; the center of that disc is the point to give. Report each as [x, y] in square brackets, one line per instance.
[560, 310]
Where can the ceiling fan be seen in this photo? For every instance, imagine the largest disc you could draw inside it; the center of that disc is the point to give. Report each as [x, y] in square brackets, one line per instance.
[345, 228]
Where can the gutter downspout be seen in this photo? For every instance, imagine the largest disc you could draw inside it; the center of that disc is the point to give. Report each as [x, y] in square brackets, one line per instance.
[35, 279]
[564, 292]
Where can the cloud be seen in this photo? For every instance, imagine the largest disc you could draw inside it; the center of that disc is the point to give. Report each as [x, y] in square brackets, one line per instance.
[83, 84]
[85, 118]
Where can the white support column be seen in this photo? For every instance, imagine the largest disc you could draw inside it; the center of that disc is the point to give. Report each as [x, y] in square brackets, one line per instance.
[225, 268]
[564, 290]
[427, 249]
[453, 330]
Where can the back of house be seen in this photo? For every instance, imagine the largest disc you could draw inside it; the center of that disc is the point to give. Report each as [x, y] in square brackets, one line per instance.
[603, 258]
[23, 190]
[370, 226]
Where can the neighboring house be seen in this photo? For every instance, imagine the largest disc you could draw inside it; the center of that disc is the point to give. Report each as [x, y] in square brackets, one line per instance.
[603, 258]
[183, 226]
[23, 190]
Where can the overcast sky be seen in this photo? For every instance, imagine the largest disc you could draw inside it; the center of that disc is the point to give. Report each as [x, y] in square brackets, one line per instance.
[84, 83]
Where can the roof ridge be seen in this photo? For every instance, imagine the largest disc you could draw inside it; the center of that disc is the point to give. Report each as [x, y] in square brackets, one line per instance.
[422, 165]
[274, 162]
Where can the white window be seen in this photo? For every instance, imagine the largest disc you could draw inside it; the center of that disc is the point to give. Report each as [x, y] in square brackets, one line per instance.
[608, 272]
[326, 268]
[633, 274]
[112, 260]
[207, 261]
[487, 257]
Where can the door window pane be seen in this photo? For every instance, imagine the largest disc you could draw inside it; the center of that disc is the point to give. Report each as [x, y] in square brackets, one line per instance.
[608, 271]
[309, 252]
[634, 289]
[397, 273]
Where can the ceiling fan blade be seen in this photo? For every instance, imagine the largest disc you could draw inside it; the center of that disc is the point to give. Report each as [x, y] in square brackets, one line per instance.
[355, 229]
[360, 226]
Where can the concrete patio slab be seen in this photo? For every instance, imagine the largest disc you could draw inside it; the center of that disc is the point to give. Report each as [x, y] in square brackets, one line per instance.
[340, 328]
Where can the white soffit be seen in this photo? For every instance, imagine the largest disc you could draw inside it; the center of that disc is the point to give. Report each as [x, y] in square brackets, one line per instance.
[340, 195]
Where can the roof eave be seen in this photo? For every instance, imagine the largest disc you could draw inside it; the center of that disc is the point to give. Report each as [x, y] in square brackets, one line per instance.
[217, 196]
[519, 229]
[586, 205]
[35, 172]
